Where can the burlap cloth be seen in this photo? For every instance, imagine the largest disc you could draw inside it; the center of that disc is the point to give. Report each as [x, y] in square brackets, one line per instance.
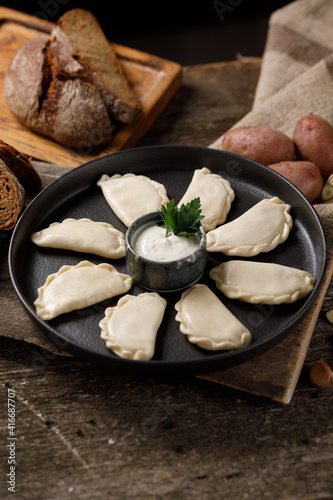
[296, 75]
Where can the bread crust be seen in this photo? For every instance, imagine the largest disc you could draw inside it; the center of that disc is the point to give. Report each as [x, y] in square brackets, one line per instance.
[100, 61]
[21, 167]
[12, 196]
[23, 85]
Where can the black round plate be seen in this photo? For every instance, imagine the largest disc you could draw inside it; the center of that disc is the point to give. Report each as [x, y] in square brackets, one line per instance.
[76, 195]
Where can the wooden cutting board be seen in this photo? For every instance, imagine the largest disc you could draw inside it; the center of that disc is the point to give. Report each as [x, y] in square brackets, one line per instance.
[154, 82]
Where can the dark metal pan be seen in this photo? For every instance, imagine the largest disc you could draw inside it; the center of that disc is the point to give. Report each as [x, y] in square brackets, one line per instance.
[76, 195]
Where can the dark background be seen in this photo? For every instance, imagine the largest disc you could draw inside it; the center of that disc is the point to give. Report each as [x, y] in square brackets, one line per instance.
[186, 32]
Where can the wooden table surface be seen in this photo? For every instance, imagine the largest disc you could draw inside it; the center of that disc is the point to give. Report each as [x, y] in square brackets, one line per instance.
[85, 433]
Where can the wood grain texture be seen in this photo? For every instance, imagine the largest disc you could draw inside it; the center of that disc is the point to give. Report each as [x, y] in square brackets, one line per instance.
[153, 80]
[89, 433]
[267, 379]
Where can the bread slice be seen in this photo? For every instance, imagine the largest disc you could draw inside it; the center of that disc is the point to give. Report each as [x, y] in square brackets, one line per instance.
[95, 53]
[11, 198]
[21, 167]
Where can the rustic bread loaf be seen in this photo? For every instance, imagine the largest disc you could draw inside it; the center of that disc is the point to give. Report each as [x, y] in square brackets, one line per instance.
[67, 93]
[11, 198]
[21, 167]
[104, 71]
[48, 93]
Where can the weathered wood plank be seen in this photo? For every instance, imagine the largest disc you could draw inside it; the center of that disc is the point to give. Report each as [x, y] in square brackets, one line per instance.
[267, 378]
[212, 98]
[89, 433]
[118, 436]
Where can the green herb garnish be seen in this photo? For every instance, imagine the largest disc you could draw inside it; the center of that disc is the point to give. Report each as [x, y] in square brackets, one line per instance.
[181, 221]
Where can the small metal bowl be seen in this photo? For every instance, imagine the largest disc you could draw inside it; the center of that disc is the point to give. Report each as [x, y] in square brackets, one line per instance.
[164, 276]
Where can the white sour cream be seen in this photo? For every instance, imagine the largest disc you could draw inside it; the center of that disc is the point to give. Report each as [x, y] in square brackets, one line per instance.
[150, 242]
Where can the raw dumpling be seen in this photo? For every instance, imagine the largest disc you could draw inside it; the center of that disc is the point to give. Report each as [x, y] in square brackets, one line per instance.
[262, 283]
[207, 322]
[76, 287]
[130, 328]
[260, 229]
[131, 196]
[215, 195]
[83, 235]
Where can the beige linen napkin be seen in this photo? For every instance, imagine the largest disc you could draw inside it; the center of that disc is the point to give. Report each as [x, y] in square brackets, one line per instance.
[296, 75]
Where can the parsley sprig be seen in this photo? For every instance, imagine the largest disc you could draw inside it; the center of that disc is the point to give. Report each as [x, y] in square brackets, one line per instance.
[183, 220]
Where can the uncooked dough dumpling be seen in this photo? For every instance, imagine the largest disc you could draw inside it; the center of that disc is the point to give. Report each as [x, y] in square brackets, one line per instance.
[130, 328]
[131, 196]
[259, 229]
[83, 235]
[208, 322]
[216, 196]
[261, 282]
[76, 287]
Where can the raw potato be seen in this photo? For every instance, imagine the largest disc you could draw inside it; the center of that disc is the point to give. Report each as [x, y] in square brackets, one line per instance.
[313, 138]
[303, 174]
[262, 144]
